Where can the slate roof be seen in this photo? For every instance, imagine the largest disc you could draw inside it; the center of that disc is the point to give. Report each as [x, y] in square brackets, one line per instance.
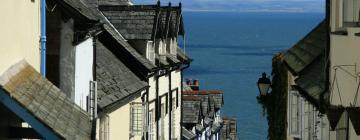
[306, 59]
[182, 56]
[205, 108]
[113, 2]
[312, 78]
[191, 109]
[115, 81]
[80, 7]
[161, 59]
[172, 59]
[109, 28]
[117, 36]
[307, 49]
[215, 96]
[215, 127]
[46, 102]
[141, 21]
[229, 129]
[187, 135]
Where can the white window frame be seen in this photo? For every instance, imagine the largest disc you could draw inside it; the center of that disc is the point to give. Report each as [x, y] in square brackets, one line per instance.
[151, 125]
[162, 122]
[136, 119]
[150, 51]
[294, 96]
[173, 110]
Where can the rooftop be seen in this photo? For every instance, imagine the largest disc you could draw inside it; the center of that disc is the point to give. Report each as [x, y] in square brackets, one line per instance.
[116, 83]
[45, 102]
[145, 21]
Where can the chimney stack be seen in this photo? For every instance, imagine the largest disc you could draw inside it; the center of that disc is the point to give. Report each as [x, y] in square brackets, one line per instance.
[193, 84]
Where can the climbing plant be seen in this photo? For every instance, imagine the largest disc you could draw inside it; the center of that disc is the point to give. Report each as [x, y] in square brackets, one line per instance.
[274, 104]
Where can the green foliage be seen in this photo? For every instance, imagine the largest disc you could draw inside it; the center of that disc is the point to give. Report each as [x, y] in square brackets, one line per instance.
[275, 103]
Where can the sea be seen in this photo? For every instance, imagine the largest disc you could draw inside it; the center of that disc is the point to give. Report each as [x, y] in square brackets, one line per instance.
[232, 49]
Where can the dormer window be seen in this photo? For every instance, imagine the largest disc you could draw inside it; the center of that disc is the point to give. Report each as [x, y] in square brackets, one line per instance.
[171, 46]
[150, 53]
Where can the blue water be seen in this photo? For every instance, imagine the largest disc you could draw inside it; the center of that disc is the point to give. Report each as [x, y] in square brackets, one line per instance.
[231, 50]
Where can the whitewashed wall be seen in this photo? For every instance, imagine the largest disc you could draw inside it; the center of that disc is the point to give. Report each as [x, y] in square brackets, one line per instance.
[83, 71]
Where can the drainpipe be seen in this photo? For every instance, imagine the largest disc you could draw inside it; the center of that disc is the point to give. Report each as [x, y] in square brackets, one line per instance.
[157, 110]
[147, 110]
[170, 105]
[43, 38]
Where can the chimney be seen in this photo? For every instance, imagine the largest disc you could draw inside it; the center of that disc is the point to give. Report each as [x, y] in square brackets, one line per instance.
[193, 84]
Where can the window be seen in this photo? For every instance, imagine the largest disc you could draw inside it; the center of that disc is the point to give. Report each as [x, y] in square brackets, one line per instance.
[150, 51]
[151, 125]
[161, 134]
[295, 115]
[173, 107]
[177, 97]
[136, 118]
[351, 10]
[342, 127]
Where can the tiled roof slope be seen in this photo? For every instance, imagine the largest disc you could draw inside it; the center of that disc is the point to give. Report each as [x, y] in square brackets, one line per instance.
[85, 8]
[191, 109]
[307, 60]
[115, 81]
[229, 129]
[80, 7]
[204, 103]
[96, 3]
[187, 134]
[307, 50]
[182, 56]
[46, 102]
[312, 78]
[215, 96]
[140, 21]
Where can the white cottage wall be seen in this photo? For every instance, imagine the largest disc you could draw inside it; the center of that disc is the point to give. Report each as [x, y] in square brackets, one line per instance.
[83, 71]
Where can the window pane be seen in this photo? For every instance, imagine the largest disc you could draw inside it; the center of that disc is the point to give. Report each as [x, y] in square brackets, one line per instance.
[136, 118]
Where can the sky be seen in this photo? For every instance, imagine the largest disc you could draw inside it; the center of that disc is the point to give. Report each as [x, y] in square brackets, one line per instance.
[311, 6]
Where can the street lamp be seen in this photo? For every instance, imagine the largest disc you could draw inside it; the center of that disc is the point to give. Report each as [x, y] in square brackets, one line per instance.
[264, 84]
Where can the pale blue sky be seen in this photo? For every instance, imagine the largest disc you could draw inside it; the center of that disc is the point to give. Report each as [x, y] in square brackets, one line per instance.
[247, 5]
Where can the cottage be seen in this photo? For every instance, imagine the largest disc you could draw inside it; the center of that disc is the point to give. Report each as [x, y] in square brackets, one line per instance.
[322, 78]
[207, 122]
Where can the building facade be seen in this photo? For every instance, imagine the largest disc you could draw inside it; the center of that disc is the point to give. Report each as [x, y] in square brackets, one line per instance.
[322, 78]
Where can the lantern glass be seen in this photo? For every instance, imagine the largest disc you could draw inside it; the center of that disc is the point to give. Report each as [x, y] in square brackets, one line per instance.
[263, 88]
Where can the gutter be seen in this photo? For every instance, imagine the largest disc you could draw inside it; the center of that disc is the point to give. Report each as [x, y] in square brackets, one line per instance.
[43, 38]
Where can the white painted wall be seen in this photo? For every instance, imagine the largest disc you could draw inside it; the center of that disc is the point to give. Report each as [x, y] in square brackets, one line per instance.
[163, 90]
[20, 33]
[83, 71]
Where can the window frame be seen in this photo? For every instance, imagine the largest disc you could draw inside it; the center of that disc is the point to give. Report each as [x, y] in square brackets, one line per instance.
[294, 94]
[138, 128]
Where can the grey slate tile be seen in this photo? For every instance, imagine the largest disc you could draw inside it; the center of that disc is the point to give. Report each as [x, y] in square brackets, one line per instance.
[54, 115]
[115, 80]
